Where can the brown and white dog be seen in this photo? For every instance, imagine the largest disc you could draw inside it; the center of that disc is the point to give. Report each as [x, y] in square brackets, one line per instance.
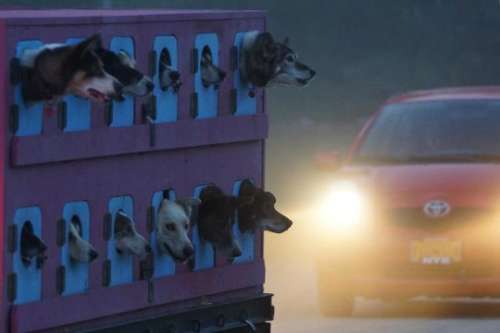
[210, 73]
[265, 62]
[32, 247]
[260, 211]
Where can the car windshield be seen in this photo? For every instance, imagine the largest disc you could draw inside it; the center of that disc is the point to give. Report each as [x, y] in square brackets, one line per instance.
[434, 132]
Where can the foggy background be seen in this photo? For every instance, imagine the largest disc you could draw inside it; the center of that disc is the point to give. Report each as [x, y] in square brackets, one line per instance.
[363, 51]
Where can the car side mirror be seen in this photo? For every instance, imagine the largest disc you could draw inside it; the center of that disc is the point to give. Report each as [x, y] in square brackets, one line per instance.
[329, 161]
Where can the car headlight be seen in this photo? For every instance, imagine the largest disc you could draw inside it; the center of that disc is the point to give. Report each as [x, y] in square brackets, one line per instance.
[344, 206]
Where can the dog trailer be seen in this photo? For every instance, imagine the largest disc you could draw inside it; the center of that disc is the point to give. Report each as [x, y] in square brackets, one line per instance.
[85, 161]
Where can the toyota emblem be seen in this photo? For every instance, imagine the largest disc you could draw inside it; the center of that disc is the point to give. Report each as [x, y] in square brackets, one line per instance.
[437, 209]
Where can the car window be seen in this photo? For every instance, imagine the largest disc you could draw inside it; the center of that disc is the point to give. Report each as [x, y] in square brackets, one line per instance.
[440, 131]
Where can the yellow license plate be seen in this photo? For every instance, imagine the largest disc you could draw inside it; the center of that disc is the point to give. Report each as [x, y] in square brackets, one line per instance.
[436, 251]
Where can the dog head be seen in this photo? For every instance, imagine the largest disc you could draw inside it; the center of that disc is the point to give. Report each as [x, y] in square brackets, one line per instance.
[122, 67]
[128, 240]
[172, 228]
[88, 78]
[168, 77]
[216, 218]
[267, 62]
[32, 247]
[79, 249]
[260, 212]
[210, 73]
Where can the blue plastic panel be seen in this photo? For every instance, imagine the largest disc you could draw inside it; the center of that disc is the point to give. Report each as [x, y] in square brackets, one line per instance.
[121, 264]
[208, 103]
[77, 108]
[77, 273]
[123, 112]
[29, 278]
[166, 101]
[245, 104]
[30, 116]
[163, 263]
[204, 254]
[246, 239]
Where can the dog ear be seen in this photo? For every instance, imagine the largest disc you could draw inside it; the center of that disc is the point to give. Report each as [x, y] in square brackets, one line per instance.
[90, 44]
[241, 201]
[267, 45]
[270, 197]
[122, 222]
[188, 204]
[126, 59]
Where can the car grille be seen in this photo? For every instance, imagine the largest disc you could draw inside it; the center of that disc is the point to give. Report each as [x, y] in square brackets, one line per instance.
[415, 217]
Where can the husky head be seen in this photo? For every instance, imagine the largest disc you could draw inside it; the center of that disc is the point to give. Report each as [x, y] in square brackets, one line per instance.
[128, 240]
[210, 73]
[89, 78]
[32, 247]
[168, 76]
[260, 213]
[79, 249]
[54, 70]
[216, 218]
[122, 67]
[266, 62]
[173, 227]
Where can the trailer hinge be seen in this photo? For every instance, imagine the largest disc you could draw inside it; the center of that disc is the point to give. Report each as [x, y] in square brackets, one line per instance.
[234, 100]
[193, 111]
[14, 118]
[152, 63]
[62, 115]
[107, 223]
[12, 287]
[194, 60]
[16, 75]
[106, 273]
[12, 238]
[61, 232]
[234, 58]
[61, 279]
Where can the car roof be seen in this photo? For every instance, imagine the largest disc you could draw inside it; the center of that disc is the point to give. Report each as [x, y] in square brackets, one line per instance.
[486, 92]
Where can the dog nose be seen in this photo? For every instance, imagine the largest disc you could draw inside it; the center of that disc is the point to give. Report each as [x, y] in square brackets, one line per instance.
[148, 248]
[236, 252]
[150, 86]
[93, 255]
[175, 75]
[188, 251]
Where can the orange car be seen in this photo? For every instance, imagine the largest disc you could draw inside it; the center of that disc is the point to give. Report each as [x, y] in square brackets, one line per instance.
[416, 202]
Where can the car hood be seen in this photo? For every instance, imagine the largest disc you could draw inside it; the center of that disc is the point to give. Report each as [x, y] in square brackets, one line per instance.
[466, 185]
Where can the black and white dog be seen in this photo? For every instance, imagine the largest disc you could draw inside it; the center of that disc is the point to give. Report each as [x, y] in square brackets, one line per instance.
[216, 219]
[172, 229]
[259, 212]
[128, 240]
[210, 73]
[32, 247]
[54, 70]
[168, 76]
[265, 62]
[122, 67]
[80, 250]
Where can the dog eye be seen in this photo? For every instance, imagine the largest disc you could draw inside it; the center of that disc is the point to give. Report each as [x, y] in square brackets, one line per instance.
[170, 227]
